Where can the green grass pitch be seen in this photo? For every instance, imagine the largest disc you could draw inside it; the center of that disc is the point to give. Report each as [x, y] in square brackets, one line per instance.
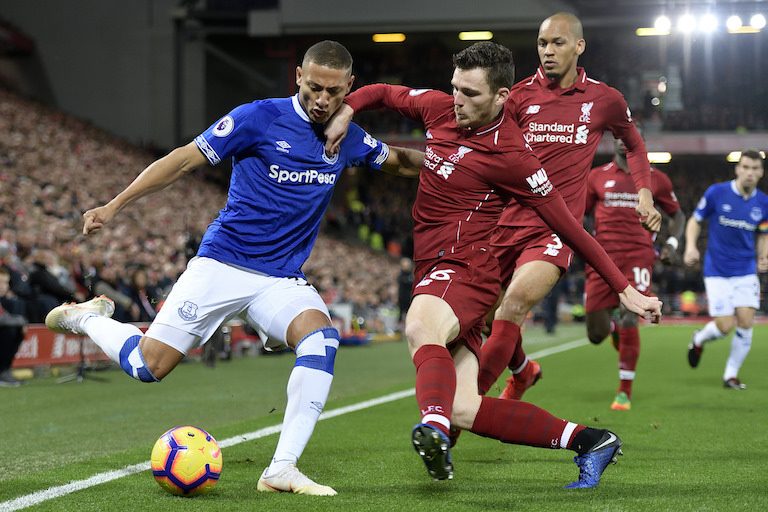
[689, 444]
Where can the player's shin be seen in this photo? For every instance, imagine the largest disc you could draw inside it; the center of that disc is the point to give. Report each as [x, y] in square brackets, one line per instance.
[308, 388]
[120, 342]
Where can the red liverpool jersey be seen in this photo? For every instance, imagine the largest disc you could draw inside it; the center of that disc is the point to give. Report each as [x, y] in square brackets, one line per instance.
[611, 194]
[469, 175]
[564, 127]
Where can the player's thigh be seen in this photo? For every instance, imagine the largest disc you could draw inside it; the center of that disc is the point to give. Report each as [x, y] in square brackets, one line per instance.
[530, 283]
[430, 321]
[719, 296]
[274, 310]
[206, 295]
[467, 281]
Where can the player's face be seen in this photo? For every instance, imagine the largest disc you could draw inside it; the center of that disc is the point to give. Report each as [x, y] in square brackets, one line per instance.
[559, 48]
[748, 173]
[474, 104]
[322, 89]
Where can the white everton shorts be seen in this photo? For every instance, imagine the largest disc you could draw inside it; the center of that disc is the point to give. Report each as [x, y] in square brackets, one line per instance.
[725, 294]
[210, 293]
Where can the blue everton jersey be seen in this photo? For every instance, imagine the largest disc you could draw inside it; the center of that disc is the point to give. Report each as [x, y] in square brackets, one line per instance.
[733, 222]
[281, 183]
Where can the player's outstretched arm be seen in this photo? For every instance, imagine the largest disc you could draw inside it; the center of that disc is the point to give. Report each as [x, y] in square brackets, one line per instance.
[336, 128]
[676, 228]
[646, 307]
[404, 162]
[692, 230]
[156, 176]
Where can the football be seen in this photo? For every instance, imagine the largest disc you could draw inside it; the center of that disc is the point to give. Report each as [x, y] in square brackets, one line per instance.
[186, 461]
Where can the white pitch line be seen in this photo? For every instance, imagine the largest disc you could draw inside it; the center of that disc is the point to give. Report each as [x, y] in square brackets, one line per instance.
[62, 490]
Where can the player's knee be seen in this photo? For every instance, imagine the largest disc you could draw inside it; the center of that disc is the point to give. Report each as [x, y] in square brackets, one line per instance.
[514, 309]
[317, 350]
[133, 363]
[596, 337]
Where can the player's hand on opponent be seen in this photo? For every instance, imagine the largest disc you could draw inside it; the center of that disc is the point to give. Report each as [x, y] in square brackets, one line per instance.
[641, 305]
[336, 128]
[94, 219]
[650, 217]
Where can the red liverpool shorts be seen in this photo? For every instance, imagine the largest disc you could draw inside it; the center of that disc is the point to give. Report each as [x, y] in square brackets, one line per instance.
[515, 246]
[469, 282]
[637, 266]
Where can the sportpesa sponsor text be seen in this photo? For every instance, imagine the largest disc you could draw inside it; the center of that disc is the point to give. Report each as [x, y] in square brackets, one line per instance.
[308, 176]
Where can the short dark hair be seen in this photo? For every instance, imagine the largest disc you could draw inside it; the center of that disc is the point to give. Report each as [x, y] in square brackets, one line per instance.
[751, 153]
[494, 58]
[329, 54]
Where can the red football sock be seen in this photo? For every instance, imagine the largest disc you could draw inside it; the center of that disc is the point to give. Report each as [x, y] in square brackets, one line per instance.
[511, 421]
[629, 351]
[518, 357]
[497, 352]
[435, 385]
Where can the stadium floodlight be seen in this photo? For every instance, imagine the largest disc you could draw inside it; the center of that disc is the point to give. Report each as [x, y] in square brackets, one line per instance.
[659, 157]
[476, 35]
[662, 24]
[757, 21]
[388, 38]
[686, 23]
[733, 23]
[708, 23]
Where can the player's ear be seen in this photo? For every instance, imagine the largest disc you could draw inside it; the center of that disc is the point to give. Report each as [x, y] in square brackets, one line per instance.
[581, 45]
[350, 82]
[298, 76]
[502, 95]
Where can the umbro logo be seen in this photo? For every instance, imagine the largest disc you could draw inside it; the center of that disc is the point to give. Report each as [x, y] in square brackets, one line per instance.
[282, 146]
[533, 109]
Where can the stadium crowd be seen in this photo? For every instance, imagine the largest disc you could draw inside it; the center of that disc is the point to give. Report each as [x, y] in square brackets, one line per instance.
[53, 167]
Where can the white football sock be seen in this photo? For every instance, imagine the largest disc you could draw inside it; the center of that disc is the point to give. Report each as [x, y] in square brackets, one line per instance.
[108, 334]
[740, 345]
[308, 388]
[708, 333]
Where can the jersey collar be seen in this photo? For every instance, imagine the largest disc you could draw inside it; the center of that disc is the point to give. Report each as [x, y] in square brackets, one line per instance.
[299, 109]
[738, 193]
[579, 85]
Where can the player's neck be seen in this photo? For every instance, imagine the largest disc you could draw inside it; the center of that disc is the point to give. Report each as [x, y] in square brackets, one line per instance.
[744, 191]
[621, 163]
[569, 78]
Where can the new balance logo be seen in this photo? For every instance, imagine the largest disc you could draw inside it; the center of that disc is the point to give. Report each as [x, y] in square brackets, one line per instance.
[282, 146]
[533, 109]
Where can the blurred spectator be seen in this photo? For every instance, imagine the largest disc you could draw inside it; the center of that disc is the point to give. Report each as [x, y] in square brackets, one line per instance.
[108, 284]
[50, 285]
[145, 295]
[12, 330]
[404, 286]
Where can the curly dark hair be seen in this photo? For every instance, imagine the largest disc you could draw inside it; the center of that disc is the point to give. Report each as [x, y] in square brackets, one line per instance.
[494, 58]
